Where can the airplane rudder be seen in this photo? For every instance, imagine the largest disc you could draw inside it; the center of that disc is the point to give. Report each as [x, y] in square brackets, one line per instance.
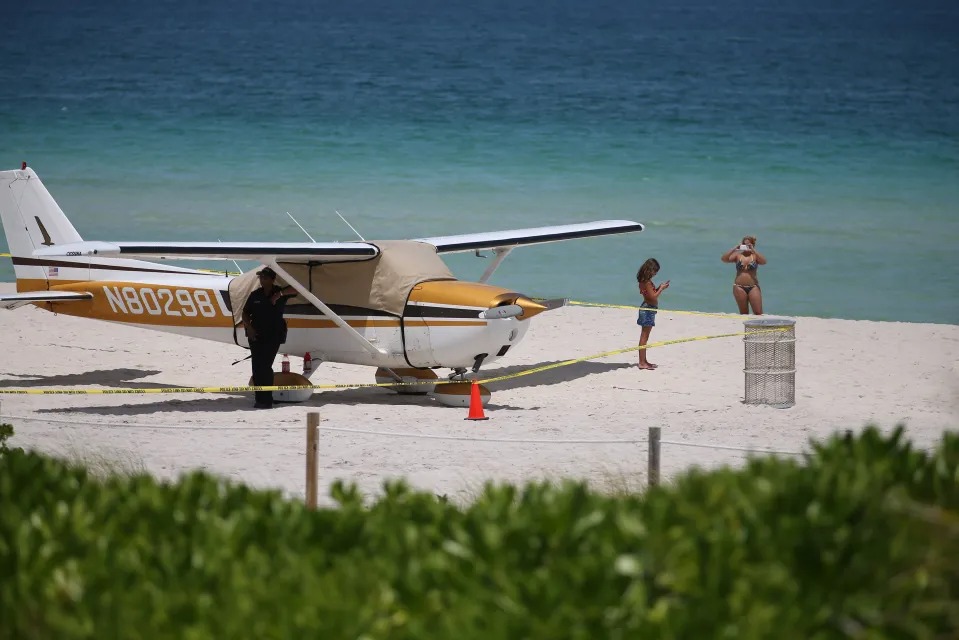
[31, 219]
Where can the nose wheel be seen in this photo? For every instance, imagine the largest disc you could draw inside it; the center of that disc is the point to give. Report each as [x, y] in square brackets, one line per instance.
[458, 392]
[459, 373]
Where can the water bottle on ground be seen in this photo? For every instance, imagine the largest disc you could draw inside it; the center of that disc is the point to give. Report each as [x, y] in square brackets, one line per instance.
[307, 364]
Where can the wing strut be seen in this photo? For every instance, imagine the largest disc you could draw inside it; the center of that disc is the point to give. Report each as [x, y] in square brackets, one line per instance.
[500, 253]
[316, 302]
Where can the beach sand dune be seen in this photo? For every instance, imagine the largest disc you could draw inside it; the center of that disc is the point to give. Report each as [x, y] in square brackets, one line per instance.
[849, 374]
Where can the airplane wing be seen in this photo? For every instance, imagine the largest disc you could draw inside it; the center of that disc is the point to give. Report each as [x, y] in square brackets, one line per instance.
[332, 251]
[262, 251]
[14, 300]
[535, 235]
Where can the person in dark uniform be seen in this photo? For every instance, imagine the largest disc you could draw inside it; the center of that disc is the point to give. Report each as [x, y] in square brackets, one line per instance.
[266, 330]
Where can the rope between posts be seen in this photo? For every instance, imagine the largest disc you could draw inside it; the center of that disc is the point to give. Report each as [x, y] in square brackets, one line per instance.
[399, 434]
[133, 425]
[428, 436]
[395, 434]
[719, 446]
[424, 436]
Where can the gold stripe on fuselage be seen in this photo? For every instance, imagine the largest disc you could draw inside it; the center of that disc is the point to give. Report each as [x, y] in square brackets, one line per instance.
[172, 306]
[457, 293]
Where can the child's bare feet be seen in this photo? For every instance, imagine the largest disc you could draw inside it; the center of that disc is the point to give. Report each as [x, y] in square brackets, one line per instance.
[647, 365]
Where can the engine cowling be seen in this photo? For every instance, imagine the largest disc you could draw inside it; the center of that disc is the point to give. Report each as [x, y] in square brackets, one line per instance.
[450, 323]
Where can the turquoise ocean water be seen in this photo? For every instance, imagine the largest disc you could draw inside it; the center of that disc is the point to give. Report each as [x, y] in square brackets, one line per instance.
[828, 129]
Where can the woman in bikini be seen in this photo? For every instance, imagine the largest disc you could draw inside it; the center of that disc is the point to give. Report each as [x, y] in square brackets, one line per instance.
[746, 289]
[647, 312]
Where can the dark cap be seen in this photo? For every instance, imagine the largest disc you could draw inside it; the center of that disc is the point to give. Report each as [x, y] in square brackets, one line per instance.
[266, 271]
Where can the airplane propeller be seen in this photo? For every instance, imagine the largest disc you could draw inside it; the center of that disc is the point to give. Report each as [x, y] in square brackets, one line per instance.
[522, 308]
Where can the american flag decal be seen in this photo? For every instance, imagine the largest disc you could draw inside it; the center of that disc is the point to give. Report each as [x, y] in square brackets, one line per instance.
[53, 271]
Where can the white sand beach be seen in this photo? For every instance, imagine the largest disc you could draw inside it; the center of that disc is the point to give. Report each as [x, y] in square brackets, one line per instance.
[849, 373]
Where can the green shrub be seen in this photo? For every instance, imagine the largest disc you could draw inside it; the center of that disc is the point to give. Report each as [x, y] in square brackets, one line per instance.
[859, 539]
[6, 432]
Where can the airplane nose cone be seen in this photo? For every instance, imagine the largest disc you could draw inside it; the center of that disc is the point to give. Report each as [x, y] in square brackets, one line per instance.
[530, 308]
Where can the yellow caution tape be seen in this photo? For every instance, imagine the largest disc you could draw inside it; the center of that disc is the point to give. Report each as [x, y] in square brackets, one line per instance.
[650, 345]
[510, 376]
[629, 306]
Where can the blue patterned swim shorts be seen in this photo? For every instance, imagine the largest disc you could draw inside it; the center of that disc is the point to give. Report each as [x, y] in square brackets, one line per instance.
[646, 318]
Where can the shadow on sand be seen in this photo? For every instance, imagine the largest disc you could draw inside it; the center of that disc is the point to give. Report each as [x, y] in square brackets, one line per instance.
[361, 396]
[102, 377]
[559, 375]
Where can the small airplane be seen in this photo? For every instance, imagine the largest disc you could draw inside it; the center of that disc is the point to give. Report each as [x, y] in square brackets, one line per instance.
[391, 304]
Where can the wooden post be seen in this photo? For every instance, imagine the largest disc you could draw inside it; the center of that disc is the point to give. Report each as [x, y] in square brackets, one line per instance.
[652, 470]
[312, 444]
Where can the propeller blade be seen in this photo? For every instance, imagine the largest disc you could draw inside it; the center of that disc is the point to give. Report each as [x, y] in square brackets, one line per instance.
[552, 303]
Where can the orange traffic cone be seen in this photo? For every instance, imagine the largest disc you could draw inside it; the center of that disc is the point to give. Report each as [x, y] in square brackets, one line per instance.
[476, 403]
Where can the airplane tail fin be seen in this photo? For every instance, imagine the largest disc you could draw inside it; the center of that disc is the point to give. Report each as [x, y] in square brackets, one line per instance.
[31, 220]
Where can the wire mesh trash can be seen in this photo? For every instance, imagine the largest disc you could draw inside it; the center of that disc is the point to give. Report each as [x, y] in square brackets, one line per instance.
[770, 362]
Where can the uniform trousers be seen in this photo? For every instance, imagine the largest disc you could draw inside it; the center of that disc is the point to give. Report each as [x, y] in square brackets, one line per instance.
[263, 352]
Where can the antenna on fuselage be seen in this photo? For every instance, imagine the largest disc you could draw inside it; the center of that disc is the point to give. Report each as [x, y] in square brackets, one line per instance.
[350, 226]
[300, 226]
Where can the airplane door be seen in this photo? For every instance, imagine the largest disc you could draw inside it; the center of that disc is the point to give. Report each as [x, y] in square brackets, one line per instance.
[416, 341]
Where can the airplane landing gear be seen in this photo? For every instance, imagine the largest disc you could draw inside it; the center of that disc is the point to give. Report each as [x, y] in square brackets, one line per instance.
[458, 391]
[459, 375]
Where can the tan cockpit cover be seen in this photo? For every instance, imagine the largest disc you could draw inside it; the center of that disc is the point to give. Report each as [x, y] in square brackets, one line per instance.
[382, 283]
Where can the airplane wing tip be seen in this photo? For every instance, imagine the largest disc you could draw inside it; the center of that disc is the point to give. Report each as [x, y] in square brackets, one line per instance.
[534, 235]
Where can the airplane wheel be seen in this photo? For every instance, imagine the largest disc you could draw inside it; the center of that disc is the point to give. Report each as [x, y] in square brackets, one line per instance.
[410, 376]
[457, 394]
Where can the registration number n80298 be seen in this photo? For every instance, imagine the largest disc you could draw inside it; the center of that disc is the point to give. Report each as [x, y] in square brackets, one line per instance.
[164, 301]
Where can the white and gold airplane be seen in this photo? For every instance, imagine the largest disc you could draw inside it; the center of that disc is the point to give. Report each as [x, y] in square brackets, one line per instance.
[391, 304]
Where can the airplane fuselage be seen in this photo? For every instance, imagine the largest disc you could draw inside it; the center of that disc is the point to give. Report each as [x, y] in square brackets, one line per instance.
[440, 325]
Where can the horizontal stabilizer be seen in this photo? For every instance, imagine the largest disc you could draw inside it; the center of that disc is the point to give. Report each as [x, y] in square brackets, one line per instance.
[262, 251]
[14, 300]
[535, 235]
